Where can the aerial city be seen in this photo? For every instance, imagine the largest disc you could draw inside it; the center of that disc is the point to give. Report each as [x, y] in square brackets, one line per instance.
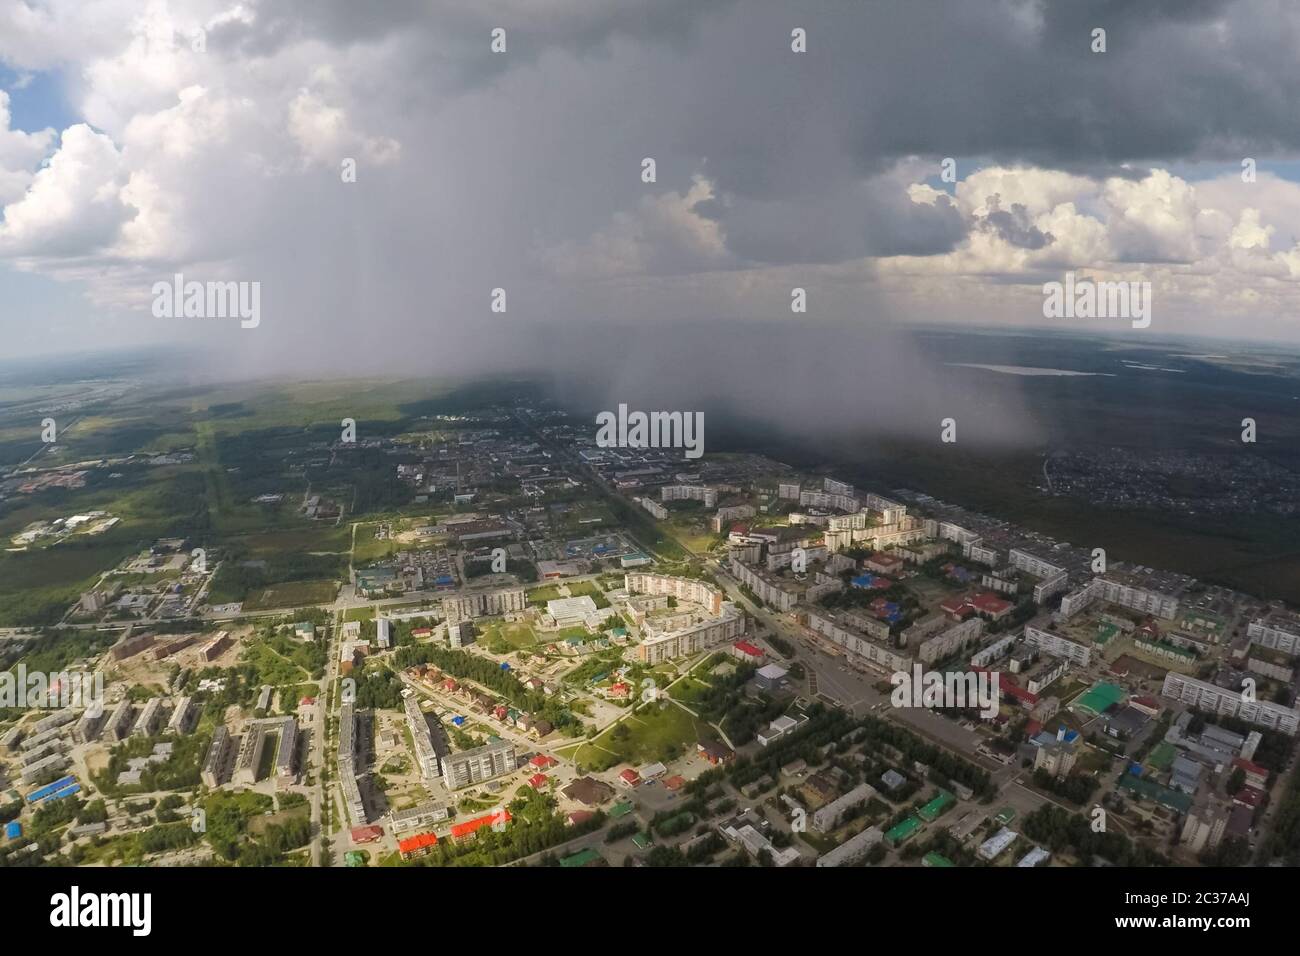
[657, 435]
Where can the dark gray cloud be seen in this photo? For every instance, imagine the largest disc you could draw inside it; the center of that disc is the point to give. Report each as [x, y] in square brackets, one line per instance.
[506, 157]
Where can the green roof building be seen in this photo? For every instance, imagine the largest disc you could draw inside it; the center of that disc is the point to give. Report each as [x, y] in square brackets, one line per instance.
[937, 860]
[903, 832]
[1150, 790]
[936, 807]
[587, 857]
[1100, 697]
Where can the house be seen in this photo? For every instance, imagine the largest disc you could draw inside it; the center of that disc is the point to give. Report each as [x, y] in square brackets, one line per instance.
[714, 752]
[746, 651]
[675, 783]
[541, 728]
[543, 762]
[630, 778]
[538, 780]
[619, 691]
[652, 771]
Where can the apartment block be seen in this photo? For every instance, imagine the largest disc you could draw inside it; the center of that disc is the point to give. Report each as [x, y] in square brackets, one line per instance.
[483, 604]
[1221, 700]
[477, 765]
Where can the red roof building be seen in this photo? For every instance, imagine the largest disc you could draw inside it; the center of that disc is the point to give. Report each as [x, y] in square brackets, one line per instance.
[675, 782]
[882, 563]
[1009, 687]
[990, 604]
[543, 762]
[747, 651]
[421, 632]
[957, 606]
[714, 752]
[630, 777]
[1256, 776]
[366, 834]
[986, 603]
[1148, 705]
[538, 780]
[579, 817]
[417, 845]
[1249, 797]
[470, 827]
[619, 690]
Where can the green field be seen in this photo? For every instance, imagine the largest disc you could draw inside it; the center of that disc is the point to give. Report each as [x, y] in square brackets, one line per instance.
[272, 668]
[688, 690]
[292, 594]
[516, 635]
[547, 592]
[653, 733]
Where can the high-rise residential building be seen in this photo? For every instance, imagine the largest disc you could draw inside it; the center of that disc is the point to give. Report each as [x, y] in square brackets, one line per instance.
[1221, 700]
[477, 765]
[483, 604]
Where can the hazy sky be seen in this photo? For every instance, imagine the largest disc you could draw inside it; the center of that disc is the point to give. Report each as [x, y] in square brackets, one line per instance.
[127, 155]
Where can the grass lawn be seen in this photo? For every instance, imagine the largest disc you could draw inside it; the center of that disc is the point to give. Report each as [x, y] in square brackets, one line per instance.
[368, 548]
[1093, 759]
[547, 592]
[693, 533]
[292, 594]
[516, 635]
[272, 668]
[688, 690]
[359, 614]
[655, 733]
